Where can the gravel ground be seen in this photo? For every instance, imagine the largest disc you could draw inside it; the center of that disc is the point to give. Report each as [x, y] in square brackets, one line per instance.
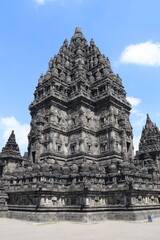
[113, 230]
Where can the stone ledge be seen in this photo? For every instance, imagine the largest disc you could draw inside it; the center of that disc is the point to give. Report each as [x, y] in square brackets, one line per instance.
[82, 217]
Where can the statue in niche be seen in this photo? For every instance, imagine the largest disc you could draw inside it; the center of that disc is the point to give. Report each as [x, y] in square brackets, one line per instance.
[95, 60]
[68, 78]
[91, 63]
[74, 121]
[81, 68]
[63, 122]
[101, 59]
[84, 167]
[55, 71]
[58, 58]
[79, 52]
[53, 118]
[74, 168]
[62, 75]
[65, 169]
[59, 118]
[88, 118]
[105, 71]
[111, 116]
[90, 77]
[78, 120]
[98, 75]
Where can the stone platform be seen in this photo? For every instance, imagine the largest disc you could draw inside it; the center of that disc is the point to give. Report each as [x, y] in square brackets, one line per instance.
[125, 215]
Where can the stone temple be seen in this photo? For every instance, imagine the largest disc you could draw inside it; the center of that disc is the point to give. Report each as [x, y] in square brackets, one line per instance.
[80, 164]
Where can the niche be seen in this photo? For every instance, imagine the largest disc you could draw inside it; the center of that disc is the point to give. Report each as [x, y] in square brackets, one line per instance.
[103, 147]
[88, 119]
[59, 148]
[73, 148]
[33, 156]
[102, 120]
[89, 147]
[128, 146]
[1, 171]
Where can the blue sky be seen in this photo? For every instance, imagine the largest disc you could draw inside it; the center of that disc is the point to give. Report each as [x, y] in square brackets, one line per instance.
[32, 31]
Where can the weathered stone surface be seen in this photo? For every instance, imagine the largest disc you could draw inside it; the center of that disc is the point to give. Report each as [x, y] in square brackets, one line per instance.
[80, 163]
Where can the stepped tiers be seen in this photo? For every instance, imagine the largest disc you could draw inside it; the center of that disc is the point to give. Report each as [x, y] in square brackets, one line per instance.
[80, 108]
[80, 164]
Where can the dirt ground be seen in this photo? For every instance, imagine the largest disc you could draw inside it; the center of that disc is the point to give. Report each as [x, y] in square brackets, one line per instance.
[110, 230]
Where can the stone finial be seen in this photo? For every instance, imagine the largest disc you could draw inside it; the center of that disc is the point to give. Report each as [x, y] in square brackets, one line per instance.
[149, 124]
[92, 42]
[148, 118]
[65, 42]
[78, 30]
[78, 39]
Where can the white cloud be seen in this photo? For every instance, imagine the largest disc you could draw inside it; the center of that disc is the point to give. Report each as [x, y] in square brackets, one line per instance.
[146, 53]
[134, 101]
[42, 2]
[7, 124]
[136, 140]
[137, 119]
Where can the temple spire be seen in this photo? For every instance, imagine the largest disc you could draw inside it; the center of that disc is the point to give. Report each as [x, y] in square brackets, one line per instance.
[78, 30]
[148, 120]
[11, 148]
[150, 137]
[150, 126]
[78, 38]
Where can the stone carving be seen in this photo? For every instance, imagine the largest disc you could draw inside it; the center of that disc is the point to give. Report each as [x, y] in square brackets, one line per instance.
[80, 151]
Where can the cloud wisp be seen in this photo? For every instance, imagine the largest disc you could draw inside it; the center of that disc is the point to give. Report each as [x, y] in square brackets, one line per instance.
[7, 124]
[134, 101]
[42, 2]
[146, 53]
[137, 118]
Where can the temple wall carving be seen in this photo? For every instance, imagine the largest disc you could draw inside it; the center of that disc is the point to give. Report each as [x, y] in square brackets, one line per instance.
[80, 157]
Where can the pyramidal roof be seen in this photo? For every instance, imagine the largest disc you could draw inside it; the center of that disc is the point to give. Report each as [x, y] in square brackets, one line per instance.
[11, 148]
[150, 128]
[150, 138]
[79, 68]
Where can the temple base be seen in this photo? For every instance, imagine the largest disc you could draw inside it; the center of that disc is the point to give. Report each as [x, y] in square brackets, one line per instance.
[3, 214]
[139, 215]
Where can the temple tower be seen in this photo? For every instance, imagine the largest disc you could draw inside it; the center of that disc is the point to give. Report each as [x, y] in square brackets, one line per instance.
[150, 142]
[10, 156]
[81, 165]
[80, 108]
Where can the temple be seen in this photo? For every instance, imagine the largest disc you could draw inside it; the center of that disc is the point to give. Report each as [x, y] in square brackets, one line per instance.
[80, 164]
